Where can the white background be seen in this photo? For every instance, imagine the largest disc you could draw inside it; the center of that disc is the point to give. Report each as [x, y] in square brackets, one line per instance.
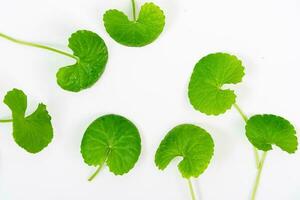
[149, 86]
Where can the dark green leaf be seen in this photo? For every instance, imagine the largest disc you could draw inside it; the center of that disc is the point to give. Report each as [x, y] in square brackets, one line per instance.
[92, 54]
[263, 131]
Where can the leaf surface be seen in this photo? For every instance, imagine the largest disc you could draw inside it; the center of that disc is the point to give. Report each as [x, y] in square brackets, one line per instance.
[114, 140]
[190, 142]
[92, 54]
[34, 132]
[143, 31]
[210, 74]
[266, 130]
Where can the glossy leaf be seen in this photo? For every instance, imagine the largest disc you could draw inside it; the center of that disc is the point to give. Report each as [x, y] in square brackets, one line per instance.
[34, 132]
[114, 140]
[143, 31]
[263, 131]
[210, 74]
[92, 57]
[190, 142]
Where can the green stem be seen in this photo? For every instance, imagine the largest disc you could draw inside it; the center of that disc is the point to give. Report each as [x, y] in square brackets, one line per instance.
[256, 155]
[5, 120]
[133, 9]
[96, 172]
[37, 46]
[100, 166]
[256, 184]
[191, 189]
[245, 118]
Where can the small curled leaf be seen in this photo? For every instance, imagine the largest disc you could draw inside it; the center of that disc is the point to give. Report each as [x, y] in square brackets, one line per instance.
[210, 74]
[190, 142]
[266, 130]
[34, 132]
[92, 57]
[114, 140]
[143, 31]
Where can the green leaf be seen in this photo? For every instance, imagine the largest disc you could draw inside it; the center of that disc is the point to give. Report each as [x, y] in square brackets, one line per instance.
[34, 132]
[143, 31]
[114, 140]
[210, 74]
[263, 131]
[92, 54]
[192, 143]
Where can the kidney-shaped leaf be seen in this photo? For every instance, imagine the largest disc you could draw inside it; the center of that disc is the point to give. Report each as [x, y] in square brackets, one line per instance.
[92, 55]
[143, 31]
[209, 75]
[190, 142]
[263, 131]
[34, 132]
[112, 139]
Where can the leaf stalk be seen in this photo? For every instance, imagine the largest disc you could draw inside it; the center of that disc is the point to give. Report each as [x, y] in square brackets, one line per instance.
[191, 189]
[245, 118]
[133, 9]
[259, 171]
[38, 46]
[100, 166]
[5, 120]
[243, 115]
[96, 172]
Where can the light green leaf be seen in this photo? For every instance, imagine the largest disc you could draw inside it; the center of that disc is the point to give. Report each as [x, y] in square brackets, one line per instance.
[263, 131]
[34, 132]
[210, 74]
[114, 140]
[92, 54]
[143, 31]
[192, 143]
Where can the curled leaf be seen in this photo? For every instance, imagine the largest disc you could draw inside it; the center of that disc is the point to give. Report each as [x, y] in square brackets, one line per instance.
[92, 57]
[143, 31]
[34, 132]
[190, 142]
[210, 74]
[266, 130]
[114, 140]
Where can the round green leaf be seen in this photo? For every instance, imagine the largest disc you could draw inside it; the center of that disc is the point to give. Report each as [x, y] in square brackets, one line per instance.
[143, 31]
[112, 139]
[192, 143]
[92, 57]
[34, 132]
[263, 131]
[209, 75]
